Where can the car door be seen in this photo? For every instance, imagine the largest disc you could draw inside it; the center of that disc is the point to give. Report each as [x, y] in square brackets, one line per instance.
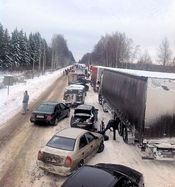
[59, 112]
[92, 144]
[95, 113]
[83, 149]
[63, 110]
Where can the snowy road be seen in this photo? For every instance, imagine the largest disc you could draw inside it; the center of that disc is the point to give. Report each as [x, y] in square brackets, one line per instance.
[20, 141]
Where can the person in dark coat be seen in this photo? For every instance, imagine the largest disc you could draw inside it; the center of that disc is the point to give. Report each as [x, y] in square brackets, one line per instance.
[25, 102]
[114, 125]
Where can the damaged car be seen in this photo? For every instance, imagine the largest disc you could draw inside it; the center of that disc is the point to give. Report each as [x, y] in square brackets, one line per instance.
[84, 116]
[69, 150]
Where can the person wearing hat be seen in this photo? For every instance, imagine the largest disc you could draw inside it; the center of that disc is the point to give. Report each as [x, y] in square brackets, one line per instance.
[25, 102]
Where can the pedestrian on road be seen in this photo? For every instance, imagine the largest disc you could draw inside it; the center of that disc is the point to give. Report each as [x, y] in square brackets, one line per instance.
[25, 102]
[112, 124]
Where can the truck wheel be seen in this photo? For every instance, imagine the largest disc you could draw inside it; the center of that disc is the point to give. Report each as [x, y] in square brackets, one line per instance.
[120, 128]
[100, 99]
[104, 105]
[125, 135]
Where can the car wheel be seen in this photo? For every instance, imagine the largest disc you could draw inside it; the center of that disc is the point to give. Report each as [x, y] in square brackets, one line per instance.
[80, 164]
[101, 148]
[125, 135]
[56, 121]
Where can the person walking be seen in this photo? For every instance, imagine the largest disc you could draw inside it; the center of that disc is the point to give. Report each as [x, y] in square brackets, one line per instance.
[114, 125]
[25, 102]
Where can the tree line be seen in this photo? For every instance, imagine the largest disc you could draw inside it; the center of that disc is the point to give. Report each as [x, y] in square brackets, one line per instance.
[117, 50]
[32, 52]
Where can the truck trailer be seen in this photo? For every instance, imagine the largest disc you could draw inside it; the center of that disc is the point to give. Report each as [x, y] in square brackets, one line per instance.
[144, 102]
[96, 73]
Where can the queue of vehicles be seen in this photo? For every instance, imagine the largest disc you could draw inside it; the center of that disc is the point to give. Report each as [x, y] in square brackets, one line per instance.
[71, 148]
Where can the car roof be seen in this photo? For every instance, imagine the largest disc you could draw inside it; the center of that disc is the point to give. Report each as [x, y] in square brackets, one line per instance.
[87, 107]
[71, 132]
[91, 176]
[74, 88]
[76, 85]
[50, 103]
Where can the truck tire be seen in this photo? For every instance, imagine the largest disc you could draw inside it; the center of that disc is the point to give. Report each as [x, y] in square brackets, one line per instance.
[120, 128]
[125, 135]
[104, 106]
[100, 99]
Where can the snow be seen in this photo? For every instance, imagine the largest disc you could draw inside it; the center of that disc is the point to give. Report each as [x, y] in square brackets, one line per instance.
[156, 173]
[11, 102]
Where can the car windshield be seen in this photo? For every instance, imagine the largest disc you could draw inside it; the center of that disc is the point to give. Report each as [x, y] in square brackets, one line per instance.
[46, 108]
[64, 143]
[77, 111]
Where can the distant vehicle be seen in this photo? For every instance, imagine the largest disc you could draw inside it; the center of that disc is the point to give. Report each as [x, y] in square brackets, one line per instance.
[69, 150]
[81, 83]
[74, 95]
[105, 175]
[49, 113]
[85, 116]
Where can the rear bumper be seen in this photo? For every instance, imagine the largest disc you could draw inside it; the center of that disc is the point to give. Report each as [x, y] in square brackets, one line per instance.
[59, 170]
[47, 122]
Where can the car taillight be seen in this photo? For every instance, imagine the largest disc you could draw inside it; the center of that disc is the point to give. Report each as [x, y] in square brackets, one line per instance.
[39, 155]
[72, 120]
[32, 115]
[68, 161]
[49, 117]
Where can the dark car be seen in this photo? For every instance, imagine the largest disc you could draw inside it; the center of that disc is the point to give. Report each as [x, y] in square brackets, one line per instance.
[85, 116]
[105, 175]
[49, 113]
[81, 83]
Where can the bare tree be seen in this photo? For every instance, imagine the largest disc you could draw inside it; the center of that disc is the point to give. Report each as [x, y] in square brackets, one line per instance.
[145, 58]
[164, 52]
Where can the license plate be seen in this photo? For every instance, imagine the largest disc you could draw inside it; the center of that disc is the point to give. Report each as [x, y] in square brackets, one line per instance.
[80, 125]
[39, 116]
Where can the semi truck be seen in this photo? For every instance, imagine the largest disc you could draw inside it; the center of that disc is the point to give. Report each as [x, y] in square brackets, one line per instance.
[144, 103]
[96, 72]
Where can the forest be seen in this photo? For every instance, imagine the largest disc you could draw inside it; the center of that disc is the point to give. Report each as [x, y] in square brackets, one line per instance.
[21, 52]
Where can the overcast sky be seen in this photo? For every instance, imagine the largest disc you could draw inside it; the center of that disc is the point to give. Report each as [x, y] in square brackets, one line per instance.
[84, 22]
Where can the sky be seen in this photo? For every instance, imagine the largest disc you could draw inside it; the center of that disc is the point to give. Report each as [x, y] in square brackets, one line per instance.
[83, 23]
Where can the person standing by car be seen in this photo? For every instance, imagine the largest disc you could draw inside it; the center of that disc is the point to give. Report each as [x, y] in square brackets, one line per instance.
[112, 124]
[25, 102]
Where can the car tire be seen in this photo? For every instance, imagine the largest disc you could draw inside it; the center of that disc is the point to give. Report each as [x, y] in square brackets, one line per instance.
[101, 147]
[56, 122]
[81, 164]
